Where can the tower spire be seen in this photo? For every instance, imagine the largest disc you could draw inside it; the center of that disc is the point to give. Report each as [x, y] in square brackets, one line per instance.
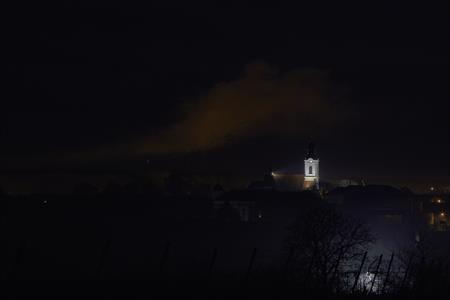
[310, 152]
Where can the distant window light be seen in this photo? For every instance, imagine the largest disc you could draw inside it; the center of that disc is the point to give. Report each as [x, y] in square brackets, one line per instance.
[437, 200]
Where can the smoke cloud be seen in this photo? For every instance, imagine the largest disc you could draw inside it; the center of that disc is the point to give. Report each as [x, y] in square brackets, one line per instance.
[263, 101]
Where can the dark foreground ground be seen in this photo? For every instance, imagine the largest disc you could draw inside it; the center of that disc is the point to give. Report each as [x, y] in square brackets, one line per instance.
[185, 290]
[139, 249]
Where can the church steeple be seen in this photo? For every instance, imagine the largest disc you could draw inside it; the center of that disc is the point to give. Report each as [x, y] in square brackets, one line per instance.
[311, 179]
[311, 153]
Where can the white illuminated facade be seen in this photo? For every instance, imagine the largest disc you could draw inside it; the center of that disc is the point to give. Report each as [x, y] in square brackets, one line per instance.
[311, 179]
[311, 173]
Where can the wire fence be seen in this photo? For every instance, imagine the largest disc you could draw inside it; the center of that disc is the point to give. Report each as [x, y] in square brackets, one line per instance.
[373, 276]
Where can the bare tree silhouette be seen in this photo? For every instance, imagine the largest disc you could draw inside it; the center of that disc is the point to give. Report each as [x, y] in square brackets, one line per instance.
[324, 243]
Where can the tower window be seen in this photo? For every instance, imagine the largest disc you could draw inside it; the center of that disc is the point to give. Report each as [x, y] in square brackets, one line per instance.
[310, 169]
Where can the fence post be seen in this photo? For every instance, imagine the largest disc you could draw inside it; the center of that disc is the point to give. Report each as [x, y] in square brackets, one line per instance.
[211, 264]
[164, 258]
[336, 268]
[250, 265]
[376, 273]
[17, 261]
[286, 264]
[387, 273]
[407, 271]
[309, 272]
[359, 272]
[103, 256]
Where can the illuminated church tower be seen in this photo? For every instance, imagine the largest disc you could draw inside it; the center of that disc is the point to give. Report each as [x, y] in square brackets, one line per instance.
[311, 180]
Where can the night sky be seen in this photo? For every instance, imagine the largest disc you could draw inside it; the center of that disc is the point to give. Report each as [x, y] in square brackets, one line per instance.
[110, 88]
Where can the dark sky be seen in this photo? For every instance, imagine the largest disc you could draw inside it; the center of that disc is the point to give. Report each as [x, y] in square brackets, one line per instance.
[104, 87]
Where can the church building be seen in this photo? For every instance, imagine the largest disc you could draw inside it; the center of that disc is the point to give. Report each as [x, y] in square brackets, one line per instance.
[311, 179]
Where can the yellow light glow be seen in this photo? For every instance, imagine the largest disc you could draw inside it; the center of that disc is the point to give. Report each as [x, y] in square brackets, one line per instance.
[442, 214]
